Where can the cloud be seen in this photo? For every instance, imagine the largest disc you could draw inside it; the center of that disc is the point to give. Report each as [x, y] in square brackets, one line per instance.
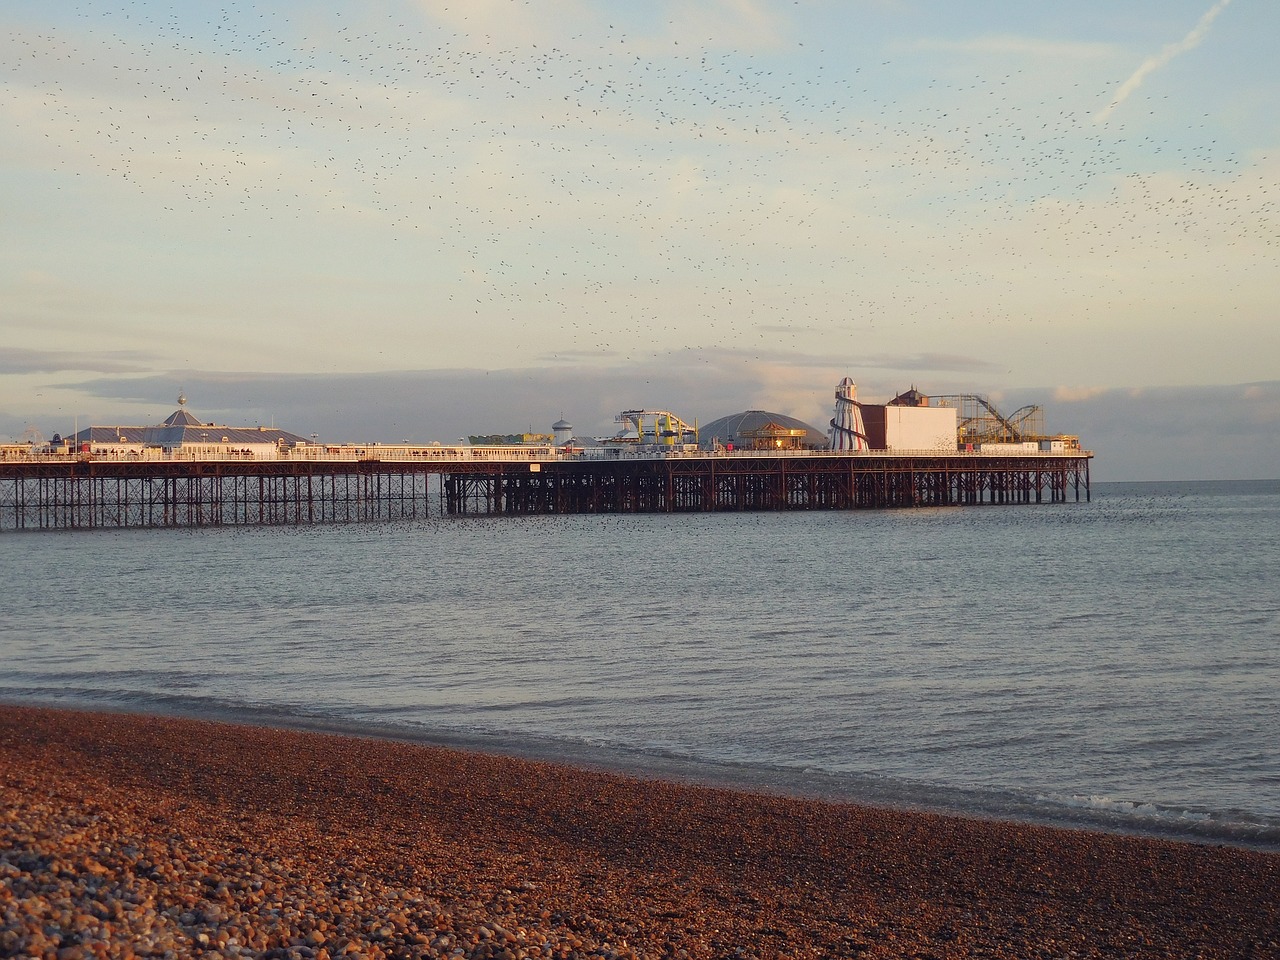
[1153, 433]
[1077, 394]
[1152, 64]
[508, 23]
[1262, 405]
[425, 405]
[357, 196]
[1001, 44]
[441, 404]
[743, 25]
[930, 363]
[1172, 432]
[18, 360]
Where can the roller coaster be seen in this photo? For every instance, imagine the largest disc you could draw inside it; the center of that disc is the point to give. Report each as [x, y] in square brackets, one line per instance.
[978, 420]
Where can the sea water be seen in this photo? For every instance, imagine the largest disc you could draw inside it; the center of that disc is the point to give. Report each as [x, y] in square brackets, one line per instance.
[1111, 664]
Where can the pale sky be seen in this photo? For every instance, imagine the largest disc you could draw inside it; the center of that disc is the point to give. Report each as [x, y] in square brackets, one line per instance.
[439, 217]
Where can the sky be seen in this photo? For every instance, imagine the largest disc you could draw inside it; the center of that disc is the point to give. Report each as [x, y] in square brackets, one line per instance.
[422, 219]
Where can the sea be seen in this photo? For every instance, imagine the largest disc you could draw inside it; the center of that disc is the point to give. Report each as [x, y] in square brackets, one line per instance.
[1108, 665]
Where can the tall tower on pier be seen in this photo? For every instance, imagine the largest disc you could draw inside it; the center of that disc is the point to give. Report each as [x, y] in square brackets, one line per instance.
[847, 430]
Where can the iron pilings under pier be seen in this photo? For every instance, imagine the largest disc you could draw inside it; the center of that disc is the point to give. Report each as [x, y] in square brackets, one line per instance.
[87, 493]
[93, 494]
[820, 482]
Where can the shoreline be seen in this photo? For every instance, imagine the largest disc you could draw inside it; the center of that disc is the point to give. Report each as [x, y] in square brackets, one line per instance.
[999, 806]
[180, 836]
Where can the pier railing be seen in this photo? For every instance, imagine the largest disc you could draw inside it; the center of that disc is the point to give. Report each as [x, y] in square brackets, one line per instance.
[408, 454]
[319, 484]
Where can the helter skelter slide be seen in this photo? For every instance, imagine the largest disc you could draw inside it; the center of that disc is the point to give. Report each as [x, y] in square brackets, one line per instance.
[847, 430]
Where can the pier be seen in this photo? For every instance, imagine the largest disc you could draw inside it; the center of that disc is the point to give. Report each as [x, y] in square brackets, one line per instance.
[316, 485]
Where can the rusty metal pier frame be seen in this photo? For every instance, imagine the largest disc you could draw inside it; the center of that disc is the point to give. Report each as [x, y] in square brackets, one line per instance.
[93, 494]
[90, 493]
[822, 482]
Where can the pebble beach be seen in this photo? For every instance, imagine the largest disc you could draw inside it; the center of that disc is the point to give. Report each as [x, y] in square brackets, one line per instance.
[131, 836]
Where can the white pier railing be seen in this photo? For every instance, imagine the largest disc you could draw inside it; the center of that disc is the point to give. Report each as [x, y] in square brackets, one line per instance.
[440, 454]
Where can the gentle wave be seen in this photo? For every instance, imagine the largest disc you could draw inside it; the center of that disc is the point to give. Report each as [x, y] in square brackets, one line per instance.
[1108, 665]
[1106, 814]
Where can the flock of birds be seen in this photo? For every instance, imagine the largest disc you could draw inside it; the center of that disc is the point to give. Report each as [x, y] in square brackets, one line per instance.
[600, 198]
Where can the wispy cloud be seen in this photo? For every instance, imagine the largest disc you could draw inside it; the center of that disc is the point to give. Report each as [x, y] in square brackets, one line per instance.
[737, 24]
[1152, 64]
[1012, 44]
[506, 25]
[17, 360]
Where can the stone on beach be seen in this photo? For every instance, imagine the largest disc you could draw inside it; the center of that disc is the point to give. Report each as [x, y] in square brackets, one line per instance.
[128, 836]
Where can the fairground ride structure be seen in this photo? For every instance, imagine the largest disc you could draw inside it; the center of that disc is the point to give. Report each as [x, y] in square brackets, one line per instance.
[978, 420]
[658, 427]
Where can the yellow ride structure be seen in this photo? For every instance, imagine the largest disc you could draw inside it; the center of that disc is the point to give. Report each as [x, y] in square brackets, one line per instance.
[658, 427]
